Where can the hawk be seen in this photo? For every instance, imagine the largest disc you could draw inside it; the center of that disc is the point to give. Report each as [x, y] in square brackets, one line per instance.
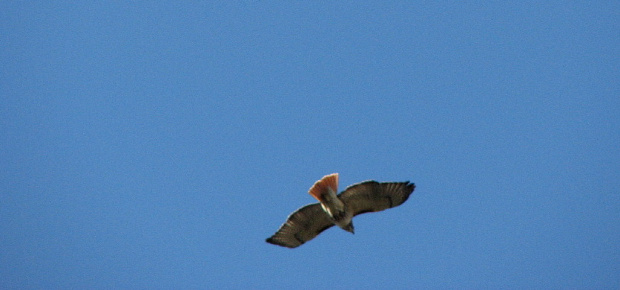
[338, 209]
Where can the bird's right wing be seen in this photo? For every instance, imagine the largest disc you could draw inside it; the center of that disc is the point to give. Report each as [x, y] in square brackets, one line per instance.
[301, 226]
[372, 196]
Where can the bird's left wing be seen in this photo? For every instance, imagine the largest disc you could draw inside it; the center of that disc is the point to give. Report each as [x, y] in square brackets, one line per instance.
[372, 196]
[301, 226]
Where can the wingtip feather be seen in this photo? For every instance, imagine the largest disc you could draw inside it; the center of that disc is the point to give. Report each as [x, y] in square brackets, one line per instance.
[280, 243]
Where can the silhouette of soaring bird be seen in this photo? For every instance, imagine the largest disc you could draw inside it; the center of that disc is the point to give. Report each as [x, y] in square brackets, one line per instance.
[338, 209]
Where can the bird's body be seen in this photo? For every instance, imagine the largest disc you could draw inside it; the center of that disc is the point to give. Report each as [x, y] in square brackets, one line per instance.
[338, 209]
[325, 191]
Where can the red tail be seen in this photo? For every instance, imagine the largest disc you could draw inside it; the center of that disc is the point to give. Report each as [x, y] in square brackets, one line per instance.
[319, 189]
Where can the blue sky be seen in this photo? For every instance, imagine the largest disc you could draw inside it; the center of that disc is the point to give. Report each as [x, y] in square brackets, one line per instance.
[157, 145]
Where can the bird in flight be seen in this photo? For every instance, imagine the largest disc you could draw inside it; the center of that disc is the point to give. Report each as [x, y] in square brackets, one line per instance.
[338, 209]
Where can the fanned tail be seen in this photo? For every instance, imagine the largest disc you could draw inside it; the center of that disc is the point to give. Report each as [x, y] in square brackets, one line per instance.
[321, 187]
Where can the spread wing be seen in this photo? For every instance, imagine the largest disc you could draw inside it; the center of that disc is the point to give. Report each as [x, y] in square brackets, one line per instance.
[372, 196]
[301, 226]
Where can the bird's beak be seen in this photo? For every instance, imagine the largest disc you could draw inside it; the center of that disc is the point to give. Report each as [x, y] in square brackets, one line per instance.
[351, 229]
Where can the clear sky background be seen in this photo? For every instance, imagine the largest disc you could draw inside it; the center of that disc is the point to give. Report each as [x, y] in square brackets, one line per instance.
[158, 145]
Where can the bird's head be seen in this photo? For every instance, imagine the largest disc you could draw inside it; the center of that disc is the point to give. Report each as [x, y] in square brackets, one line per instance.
[349, 228]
